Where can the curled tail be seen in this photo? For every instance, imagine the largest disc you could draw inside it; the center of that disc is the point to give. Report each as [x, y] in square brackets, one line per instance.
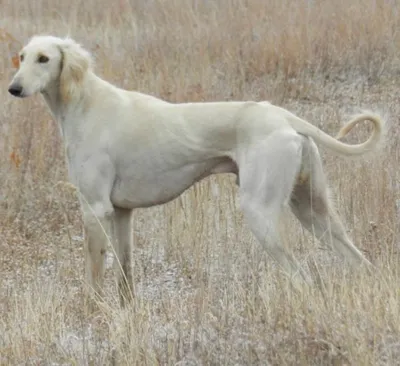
[376, 134]
[339, 147]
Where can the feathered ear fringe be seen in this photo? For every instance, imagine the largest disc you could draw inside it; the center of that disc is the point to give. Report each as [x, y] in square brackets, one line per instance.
[76, 61]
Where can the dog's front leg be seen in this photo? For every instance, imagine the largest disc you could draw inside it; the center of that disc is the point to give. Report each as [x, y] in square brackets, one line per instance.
[123, 248]
[98, 218]
[94, 175]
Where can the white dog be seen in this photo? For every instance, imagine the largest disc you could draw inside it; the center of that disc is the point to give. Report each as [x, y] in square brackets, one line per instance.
[127, 150]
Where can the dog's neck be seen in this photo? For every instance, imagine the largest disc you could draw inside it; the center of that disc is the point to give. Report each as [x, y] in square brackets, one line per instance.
[66, 113]
[53, 99]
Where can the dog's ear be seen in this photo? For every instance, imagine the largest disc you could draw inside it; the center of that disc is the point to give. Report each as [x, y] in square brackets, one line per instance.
[75, 62]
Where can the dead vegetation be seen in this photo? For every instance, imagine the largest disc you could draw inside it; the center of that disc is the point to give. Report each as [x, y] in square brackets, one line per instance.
[205, 292]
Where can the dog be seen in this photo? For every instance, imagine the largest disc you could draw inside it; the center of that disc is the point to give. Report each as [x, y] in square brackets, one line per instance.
[127, 150]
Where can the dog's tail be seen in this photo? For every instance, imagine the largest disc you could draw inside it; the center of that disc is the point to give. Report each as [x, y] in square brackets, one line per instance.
[339, 147]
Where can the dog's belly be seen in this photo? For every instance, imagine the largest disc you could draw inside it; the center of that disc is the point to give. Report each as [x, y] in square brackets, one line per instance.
[149, 188]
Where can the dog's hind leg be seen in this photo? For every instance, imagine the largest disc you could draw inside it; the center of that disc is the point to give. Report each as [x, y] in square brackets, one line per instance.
[311, 204]
[268, 171]
[123, 248]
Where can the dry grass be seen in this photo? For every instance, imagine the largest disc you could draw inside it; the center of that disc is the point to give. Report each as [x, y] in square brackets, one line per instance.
[205, 292]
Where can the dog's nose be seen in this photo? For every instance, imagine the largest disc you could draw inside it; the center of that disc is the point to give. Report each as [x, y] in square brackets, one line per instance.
[15, 90]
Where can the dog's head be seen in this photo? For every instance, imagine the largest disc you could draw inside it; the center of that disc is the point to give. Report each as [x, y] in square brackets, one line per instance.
[49, 63]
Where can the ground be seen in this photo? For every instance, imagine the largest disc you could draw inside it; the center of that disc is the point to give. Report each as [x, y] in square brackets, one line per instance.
[205, 292]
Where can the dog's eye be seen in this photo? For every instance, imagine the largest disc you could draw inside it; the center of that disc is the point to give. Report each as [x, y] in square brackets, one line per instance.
[21, 58]
[43, 59]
